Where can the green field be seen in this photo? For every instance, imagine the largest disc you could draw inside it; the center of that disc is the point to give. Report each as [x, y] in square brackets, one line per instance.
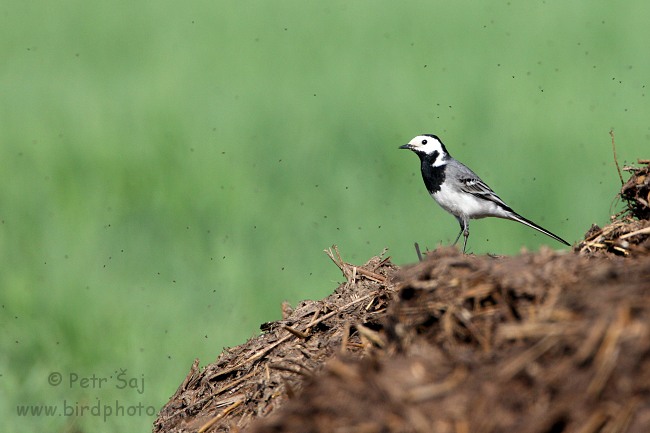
[171, 172]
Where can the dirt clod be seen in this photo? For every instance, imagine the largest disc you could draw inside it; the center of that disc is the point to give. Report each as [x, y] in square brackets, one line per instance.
[636, 191]
[629, 232]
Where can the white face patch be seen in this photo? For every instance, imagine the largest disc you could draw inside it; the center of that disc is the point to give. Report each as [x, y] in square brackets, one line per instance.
[428, 145]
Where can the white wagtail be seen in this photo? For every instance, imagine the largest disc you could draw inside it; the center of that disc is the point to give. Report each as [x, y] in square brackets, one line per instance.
[459, 190]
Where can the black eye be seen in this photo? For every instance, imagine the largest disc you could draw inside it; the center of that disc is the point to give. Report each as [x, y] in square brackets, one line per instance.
[424, 141]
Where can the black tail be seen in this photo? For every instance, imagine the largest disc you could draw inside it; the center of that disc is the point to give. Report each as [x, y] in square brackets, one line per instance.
[529, 223]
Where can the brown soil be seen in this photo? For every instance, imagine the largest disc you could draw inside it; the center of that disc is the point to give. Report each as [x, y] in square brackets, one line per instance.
[543, 342]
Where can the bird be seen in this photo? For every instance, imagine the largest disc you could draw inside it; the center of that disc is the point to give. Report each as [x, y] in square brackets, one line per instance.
[458, 190]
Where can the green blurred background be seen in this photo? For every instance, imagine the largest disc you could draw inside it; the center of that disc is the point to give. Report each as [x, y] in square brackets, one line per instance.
[171, 172]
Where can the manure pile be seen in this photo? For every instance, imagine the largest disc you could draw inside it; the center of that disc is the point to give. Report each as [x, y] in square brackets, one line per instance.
[542, 342]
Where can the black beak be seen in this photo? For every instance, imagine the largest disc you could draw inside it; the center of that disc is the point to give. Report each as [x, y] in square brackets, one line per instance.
[406, 146]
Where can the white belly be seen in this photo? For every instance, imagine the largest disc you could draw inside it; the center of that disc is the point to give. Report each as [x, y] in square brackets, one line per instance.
[467, 205]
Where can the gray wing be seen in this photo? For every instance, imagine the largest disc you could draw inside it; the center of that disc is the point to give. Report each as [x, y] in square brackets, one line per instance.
[469, 182]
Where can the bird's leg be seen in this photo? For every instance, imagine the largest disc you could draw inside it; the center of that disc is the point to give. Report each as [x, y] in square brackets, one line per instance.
[464, 230]
[466, 235]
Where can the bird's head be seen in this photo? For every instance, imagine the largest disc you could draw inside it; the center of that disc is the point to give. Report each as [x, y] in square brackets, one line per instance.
[428, 146]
